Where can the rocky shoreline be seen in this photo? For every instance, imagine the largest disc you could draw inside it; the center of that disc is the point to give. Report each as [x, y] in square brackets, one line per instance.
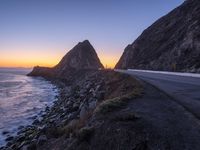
[79, 104]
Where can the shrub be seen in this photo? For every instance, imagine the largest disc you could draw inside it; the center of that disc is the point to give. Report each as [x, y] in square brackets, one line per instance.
[85, 133]
[110, 105]
[118, 102]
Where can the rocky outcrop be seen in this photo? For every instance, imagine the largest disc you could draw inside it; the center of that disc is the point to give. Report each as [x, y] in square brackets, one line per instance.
[82, 57]
[42, 71]
[172, 43]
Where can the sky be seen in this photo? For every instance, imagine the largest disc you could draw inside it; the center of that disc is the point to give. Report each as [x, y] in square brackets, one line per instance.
[41, 32]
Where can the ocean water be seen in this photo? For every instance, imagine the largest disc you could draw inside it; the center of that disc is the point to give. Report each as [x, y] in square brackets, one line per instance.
[21, 98]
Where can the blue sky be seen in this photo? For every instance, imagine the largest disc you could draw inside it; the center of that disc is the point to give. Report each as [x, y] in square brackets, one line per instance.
[40, 32]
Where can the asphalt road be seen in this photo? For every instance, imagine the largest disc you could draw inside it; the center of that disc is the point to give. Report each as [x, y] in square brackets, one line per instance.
[183, 89]
[169, 110]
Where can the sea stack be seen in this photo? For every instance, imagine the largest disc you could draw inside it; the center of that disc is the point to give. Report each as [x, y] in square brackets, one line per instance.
[172, 43]
[82, 57]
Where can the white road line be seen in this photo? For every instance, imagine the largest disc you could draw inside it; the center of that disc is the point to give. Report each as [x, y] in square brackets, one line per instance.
[196, 75]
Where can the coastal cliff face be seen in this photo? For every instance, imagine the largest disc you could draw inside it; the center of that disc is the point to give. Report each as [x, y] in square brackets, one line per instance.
[172, 43]
[82, 57]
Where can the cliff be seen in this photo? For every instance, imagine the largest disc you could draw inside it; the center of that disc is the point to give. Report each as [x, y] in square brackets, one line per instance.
[82, 57]
[172, 43]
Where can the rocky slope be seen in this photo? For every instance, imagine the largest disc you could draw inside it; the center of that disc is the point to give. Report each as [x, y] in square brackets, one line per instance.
[82, 57]
[83, 110]
[172, 43]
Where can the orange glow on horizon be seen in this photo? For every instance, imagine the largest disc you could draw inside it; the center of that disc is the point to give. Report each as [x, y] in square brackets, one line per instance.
[26, 64]
[107, 61]
[23, 59]
[31, 59]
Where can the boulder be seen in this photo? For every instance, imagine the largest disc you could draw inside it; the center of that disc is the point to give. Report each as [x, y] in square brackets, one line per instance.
[41, 140]
[92, 104]
[83, 111]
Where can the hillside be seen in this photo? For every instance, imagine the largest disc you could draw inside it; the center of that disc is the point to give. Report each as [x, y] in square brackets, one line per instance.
[82, 57]
[172, 43]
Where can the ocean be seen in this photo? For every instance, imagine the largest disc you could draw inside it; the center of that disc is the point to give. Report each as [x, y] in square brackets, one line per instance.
[22, 98]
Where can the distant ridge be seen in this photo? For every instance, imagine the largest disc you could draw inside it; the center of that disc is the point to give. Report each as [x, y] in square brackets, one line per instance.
[172, 43]
[82, 57]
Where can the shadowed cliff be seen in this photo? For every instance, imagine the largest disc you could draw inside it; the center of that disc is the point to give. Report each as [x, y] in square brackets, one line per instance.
[171, 43]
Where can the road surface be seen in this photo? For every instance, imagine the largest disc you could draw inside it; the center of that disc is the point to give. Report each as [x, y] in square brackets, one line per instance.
[185, 90]
[169, 110]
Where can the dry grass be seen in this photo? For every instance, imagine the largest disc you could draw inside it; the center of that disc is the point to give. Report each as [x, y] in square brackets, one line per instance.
[85, 133]
[120, 88]
[117, 102]
[72, 128]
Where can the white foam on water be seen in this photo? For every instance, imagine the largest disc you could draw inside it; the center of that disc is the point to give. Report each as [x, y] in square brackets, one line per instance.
[21, 98]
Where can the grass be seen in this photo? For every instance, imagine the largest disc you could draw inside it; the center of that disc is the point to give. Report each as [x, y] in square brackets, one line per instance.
[71, 129]
[117, 102]
[85, 133]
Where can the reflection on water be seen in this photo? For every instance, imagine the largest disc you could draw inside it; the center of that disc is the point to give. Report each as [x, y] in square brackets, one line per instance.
[21, 98]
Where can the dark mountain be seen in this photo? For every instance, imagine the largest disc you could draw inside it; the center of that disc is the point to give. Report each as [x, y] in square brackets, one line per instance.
[172, 43]
[82, 57]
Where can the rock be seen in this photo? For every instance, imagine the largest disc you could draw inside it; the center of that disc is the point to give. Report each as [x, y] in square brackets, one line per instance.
[5, 132]
[41, 128]
[92, 105]
[41, 71]
[100, 95]
[41, 140]
[33, 117]
[9, 138]
[170, 44]
[83, 111]
[72, 115]
[73, 122]
[31, 146]
[69, 103]
[25, 147]
[82, 56]
[97, 88]
[36, 121]
[20, 127]
[76, 105]
[22, 144]
[21, 138]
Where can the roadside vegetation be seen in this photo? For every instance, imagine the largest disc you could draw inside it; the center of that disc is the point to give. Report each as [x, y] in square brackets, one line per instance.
[120, 89]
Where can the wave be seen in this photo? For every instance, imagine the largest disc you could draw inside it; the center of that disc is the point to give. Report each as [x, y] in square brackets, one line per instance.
[21, 98]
